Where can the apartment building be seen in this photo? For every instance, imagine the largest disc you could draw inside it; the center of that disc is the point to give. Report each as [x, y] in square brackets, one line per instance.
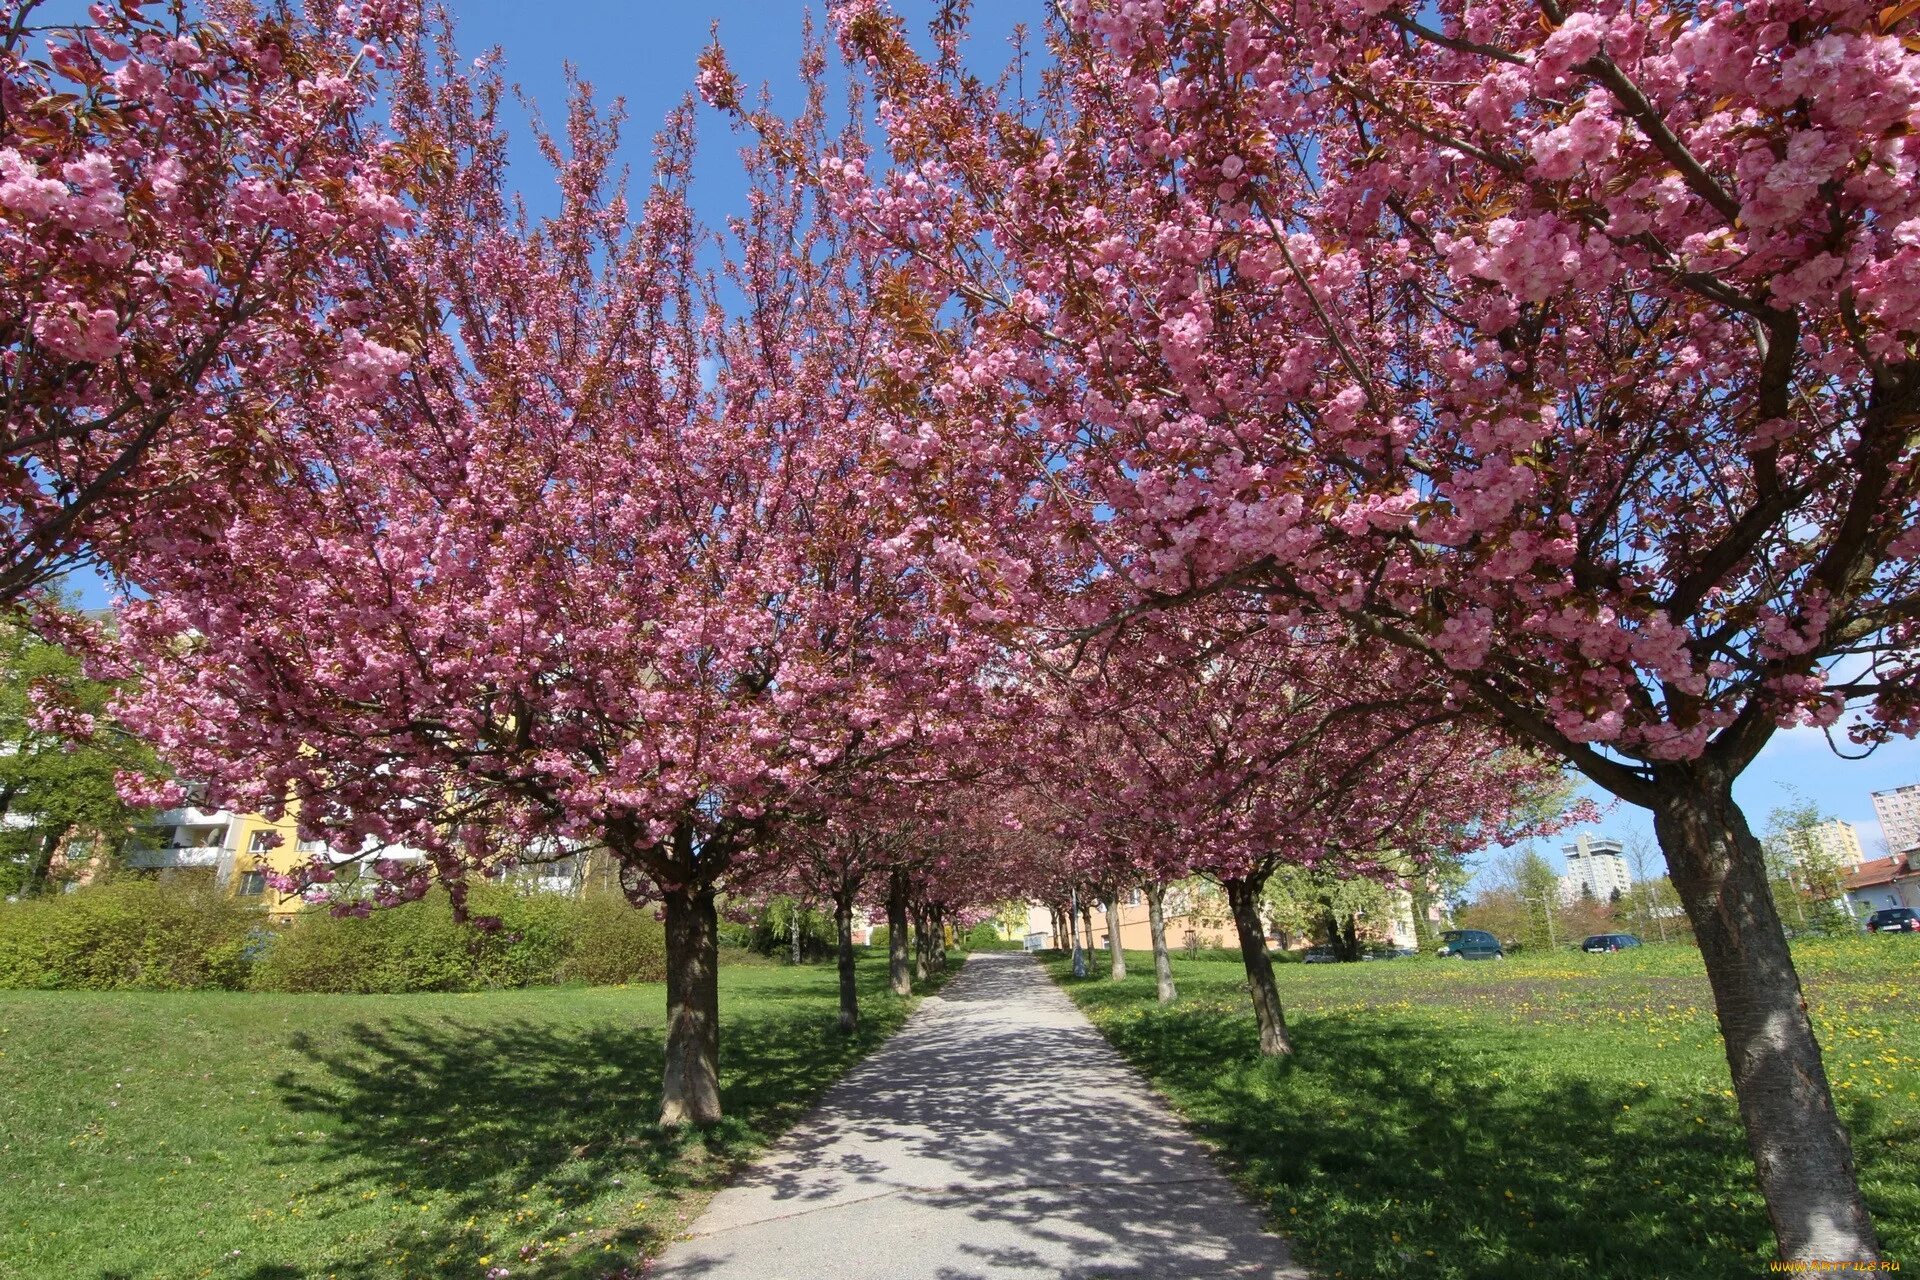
[1596, 868]
[1899, 812]
[235, 851]
[1835, 841]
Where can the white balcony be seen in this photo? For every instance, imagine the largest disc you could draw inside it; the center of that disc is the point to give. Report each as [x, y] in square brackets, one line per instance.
[191, 817]
[176, 856]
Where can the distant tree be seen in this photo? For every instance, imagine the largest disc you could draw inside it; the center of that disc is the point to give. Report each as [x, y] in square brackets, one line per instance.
[1335, 907]
[1808, 882]
[1532, 880]
[60, 755]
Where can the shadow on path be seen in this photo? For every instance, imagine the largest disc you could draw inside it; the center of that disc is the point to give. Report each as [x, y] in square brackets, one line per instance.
[997, 1135]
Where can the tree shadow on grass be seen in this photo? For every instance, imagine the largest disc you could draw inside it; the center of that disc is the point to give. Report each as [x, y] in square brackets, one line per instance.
[1386, 1147]
[517, 1129]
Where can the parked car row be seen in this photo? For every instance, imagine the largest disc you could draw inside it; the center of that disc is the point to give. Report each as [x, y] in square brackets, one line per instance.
[1478, 944]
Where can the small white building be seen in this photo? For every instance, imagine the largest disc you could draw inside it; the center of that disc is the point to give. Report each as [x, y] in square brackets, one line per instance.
[1882, 883]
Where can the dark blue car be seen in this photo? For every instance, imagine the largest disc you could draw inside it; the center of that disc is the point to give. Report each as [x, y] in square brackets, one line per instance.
[1470, 944]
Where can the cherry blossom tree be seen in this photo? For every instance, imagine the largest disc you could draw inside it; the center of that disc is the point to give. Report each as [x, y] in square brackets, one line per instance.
[1568, 347]
[613, 559]
[180, 205]
[1233, 748]
[862, 853]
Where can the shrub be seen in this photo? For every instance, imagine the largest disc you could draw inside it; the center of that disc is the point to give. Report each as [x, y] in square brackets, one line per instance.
[543, 938]
[133, 934]
[770, 930]
[984, 937]
[614, 943]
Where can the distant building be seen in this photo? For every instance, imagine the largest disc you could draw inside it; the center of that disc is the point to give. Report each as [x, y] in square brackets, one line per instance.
[1191, 920]
[1596, 868]
[1899, 814]
[236, 852]
[1884, 882]
[1834, 841]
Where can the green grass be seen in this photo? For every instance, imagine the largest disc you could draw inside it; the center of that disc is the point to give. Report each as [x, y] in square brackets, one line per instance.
[275, 1137]
[1547, 1116]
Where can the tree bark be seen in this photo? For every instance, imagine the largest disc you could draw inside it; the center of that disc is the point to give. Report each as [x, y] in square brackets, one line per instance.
[938, 918]
[1086, 927]
[1801, 1152]
[690, 1093]
[1157, 927]
[1244, 897]
[1421, 891]
[1116, 957]
[849, 992]
[899, 973]
[42, 864]
[920, 945]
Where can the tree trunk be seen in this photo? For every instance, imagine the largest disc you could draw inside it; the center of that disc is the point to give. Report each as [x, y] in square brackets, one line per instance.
[42, 864]
[793, 928]
[1060, 940]
[1157, 927]
[1421, 891]
[1801, 1152]
[849, 992]
[1116, 956]
[939, 919]
[899, 973]
[1244, 897]
[1086, 926]
[690, 1093]
[920, 945]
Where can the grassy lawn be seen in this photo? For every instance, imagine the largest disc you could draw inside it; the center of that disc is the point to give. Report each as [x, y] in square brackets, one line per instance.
[271, 1137]
[1553, 1115]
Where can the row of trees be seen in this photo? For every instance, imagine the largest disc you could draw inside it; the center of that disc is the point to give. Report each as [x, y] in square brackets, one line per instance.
[1280, 445]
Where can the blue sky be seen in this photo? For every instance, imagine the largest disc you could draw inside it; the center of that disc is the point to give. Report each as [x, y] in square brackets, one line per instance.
[645, 53]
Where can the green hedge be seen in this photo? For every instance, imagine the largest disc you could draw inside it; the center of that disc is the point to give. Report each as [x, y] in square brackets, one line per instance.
[152, 935]
[543, 938]
[127, 935]
[984, 937]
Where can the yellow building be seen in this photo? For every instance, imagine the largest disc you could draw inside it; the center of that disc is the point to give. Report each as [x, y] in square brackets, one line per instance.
[235, 850]
[1192, 919]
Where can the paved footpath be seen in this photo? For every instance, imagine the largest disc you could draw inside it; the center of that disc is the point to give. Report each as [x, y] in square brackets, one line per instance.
[996, 1135]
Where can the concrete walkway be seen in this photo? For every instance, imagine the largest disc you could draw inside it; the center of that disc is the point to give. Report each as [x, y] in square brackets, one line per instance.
[996, 1135]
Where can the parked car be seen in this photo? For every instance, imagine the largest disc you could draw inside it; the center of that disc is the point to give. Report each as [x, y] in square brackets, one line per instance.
[1600, 942]
[1319, 955]
[1894, 920]
[1470, 944]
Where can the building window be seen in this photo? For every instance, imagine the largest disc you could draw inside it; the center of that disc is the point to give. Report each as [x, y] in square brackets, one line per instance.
[259, 843]
[253, 883]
